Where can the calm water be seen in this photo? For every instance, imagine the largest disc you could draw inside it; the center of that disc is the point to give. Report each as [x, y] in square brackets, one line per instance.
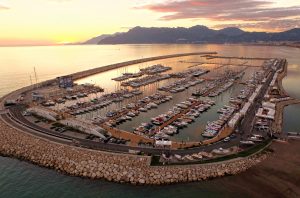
[194, 130]
[21, 179]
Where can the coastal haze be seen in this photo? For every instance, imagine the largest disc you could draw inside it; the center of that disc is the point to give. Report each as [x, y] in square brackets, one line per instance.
[55, 61]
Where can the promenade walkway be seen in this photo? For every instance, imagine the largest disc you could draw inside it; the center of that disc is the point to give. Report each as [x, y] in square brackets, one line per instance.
[134, 138]
[225, 132]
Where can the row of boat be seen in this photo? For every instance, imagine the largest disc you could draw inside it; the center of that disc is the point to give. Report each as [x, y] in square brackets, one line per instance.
[151, 70]
[181, 85]
[208, 86]
[186, 158]
[72, 96]
[131, 110]
[178, 117]
[101, 102]
[221, 89]
[155, 69]
[127, 76]
[189, 73]
[145, 80]
[84, 92]
[225, 81]
[214, 127]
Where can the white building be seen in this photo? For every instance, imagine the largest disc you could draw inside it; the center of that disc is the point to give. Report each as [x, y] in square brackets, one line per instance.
[269, 105]
[234, 120]
[84, 127]
[44, 113]
[266, 113]
[245, 108]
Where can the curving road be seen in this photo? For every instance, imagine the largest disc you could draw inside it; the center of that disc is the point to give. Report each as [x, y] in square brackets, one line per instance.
[15, 119]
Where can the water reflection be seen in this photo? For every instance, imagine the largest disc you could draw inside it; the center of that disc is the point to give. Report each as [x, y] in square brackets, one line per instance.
[217, 67]
[52, 61]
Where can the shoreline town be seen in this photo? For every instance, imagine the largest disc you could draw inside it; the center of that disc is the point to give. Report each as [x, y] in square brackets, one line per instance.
[51, 123]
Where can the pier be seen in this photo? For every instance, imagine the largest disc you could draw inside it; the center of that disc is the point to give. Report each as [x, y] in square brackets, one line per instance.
[217, 63]
[234, 57]
[90, 72]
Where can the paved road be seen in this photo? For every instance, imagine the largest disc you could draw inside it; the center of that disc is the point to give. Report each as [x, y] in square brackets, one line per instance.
[17, 120]
[247, 123]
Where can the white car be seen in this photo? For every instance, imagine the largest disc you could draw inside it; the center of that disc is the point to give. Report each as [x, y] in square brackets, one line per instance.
[227, 139]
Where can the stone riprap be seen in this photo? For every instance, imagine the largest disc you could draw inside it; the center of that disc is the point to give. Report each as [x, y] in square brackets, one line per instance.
[111, 166]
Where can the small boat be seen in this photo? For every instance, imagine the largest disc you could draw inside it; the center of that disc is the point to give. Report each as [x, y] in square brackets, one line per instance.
[247, 142]
[142, 109]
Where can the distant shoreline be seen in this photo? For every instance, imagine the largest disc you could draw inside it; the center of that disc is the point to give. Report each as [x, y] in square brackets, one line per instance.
[80, 44]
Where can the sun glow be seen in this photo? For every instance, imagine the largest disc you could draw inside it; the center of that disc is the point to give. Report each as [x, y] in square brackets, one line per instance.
[44, 22]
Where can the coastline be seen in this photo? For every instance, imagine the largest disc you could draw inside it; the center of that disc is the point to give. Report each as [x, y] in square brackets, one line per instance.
[111, 166]
[278, 124]
[115, 167]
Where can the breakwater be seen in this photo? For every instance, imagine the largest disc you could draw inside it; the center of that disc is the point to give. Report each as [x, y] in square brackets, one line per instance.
[97, 70]
[89, 72]
[115, 167]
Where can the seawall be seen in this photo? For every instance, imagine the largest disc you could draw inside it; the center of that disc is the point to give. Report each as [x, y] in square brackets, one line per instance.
[97, 70]
[115, 167]
[89, 72]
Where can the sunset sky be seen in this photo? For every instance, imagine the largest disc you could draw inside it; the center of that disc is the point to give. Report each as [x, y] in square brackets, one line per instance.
[47, 22]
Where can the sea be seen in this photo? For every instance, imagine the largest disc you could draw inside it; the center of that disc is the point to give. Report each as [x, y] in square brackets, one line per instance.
[17, 66]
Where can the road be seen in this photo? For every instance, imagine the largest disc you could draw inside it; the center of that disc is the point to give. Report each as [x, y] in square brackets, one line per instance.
[18, 121]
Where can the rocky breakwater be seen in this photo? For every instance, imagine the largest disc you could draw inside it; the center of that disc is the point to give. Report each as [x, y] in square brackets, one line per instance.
[110, 166]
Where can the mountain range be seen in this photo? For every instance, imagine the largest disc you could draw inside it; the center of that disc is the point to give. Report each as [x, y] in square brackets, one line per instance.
[195, 34]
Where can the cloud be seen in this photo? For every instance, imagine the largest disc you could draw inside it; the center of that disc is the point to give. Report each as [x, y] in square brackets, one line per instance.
[273, 25]
[222, 10]
[2, 7]
[60, 1]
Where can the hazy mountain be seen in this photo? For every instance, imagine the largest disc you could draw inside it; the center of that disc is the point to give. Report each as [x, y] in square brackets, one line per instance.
[231, 31]
[96, 39]
[195, 34]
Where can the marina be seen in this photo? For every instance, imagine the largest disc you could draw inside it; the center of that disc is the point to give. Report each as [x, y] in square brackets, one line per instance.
[149, 99]
[177, 114]
[127, 109]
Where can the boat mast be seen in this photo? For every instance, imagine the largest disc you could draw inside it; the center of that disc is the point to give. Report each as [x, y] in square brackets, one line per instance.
[30, 80]
[35, 75]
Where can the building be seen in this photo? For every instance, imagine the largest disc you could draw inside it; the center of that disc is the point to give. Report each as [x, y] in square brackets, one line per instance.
[266, 113]
[65, 81]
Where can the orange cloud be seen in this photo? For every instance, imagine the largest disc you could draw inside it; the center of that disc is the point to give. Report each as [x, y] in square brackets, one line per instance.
[220, 11]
